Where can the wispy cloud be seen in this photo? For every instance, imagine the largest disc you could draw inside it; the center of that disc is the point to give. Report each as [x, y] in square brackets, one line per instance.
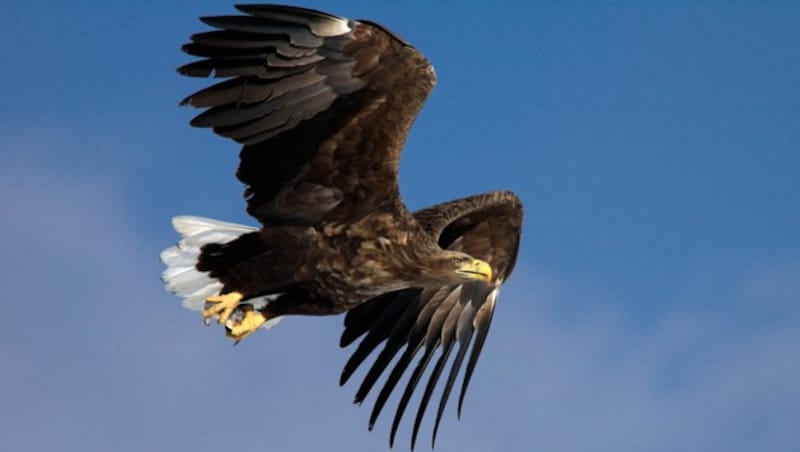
[697, 380]
[100, 358]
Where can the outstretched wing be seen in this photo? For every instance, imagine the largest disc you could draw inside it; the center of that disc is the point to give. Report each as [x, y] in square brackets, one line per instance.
[485, 226]
[322, 105]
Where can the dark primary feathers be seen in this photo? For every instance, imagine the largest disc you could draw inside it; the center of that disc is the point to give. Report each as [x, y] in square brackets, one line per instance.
[322, 106]
[328, 89]
[485, 226]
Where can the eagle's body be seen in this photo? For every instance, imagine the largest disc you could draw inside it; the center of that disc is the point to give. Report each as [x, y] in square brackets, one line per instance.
[334, 266]
[322, 106]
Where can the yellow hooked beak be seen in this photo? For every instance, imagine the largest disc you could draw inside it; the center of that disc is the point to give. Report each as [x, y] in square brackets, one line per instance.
[476, 269]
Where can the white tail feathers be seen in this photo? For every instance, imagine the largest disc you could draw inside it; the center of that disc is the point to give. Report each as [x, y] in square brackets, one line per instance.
[182, 278]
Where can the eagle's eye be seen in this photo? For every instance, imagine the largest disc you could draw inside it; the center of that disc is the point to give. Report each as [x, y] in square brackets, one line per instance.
[457, 261]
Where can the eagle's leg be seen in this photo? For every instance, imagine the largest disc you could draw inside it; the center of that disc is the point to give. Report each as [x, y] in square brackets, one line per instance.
[244, 322]
[222, 306]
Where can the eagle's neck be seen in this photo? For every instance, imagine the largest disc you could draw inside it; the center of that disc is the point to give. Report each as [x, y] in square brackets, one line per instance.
[394, 253]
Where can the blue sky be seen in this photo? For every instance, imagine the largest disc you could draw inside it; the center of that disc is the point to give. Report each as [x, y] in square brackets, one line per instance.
[655, 306]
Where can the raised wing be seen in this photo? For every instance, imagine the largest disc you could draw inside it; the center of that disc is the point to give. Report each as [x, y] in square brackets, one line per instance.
[485, 226]
[322, 105]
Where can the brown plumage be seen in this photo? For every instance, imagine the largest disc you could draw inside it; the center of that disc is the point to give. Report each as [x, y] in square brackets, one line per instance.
[322, 106]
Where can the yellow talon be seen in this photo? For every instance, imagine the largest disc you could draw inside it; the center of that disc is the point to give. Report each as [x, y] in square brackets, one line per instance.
[248, 325]
[222, 305]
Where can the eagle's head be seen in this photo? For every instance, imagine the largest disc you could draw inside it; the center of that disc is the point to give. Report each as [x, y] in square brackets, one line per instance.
[455, 266]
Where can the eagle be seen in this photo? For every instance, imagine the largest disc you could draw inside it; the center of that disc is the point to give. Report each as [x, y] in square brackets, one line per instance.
[321, 106]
